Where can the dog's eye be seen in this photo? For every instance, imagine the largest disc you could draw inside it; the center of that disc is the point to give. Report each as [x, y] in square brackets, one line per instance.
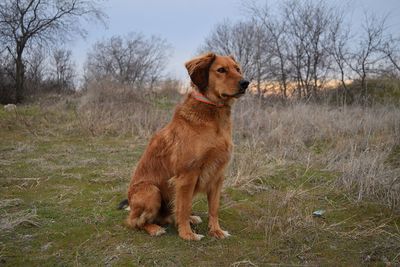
[221, 70]
[238, 70]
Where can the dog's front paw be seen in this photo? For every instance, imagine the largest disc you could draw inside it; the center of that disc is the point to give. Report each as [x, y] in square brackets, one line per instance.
[191, 236]
[219, 233]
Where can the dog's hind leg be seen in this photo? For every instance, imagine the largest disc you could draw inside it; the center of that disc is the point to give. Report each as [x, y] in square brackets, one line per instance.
[145, 205]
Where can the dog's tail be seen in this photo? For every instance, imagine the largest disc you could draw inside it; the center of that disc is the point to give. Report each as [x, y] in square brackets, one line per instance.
[124, 204]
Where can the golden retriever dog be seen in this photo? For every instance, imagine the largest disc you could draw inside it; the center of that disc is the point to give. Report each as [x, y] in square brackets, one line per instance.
[189, 155]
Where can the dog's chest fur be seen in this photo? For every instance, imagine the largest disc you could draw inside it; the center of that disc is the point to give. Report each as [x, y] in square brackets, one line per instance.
[212, 145]
[215, 158]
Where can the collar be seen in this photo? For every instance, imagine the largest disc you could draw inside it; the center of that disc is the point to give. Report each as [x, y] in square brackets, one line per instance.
[202, 98]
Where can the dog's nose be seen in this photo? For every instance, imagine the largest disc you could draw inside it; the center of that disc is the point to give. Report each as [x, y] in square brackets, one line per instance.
[243, 84]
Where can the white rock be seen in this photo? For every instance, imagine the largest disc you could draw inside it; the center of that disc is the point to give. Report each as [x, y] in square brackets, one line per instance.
[10, 107]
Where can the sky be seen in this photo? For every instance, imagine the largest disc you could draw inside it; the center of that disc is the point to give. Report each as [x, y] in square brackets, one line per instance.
[186, 24]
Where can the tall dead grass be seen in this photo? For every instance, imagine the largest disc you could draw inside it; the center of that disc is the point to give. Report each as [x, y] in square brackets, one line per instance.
[354, 142]
[109, 108]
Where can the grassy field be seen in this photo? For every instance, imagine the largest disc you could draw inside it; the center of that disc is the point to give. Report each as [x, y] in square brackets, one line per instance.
[65, 165]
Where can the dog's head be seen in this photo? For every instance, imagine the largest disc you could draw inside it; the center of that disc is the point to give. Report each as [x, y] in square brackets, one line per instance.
[219, 77]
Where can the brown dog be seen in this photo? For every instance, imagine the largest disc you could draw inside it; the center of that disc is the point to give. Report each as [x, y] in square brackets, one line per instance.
[190, 154]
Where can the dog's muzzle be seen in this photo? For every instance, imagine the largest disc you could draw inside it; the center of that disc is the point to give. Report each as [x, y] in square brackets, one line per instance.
[243, 84]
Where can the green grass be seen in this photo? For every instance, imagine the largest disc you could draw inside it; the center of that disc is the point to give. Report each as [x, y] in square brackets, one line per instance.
[68, 184]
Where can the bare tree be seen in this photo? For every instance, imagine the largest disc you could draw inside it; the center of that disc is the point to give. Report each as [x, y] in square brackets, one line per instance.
[297, 36]
[391, 49]
[35, 62]
[339, 50]
[23, 22]
[277, 47]
[134, 59]
[262, 57]
[368, 53]
[63, 69]
[307, 34]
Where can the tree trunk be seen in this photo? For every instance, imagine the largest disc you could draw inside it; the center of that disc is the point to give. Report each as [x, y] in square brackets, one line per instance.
[19, 75]
[347, 95]
[19, 79]
[363, 86]
[259, 85]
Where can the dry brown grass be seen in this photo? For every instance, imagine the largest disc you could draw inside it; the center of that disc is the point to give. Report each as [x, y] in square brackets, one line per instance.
[107, 108]
[354, 142]
[9, 221]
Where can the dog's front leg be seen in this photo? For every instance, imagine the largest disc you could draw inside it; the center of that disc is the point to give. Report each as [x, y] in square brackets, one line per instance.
[213, 196]
[184, 190]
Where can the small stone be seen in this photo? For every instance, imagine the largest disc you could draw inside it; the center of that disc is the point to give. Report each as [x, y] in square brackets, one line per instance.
[318, 213]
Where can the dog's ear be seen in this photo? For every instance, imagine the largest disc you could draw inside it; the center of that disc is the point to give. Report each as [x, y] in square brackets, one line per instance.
[198, 69]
